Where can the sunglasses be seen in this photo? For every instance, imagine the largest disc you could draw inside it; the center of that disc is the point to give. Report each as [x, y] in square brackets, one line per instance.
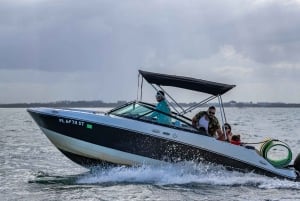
[213, 113]
[226, 127]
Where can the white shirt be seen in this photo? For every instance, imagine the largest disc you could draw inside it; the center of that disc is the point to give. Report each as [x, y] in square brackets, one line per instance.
[203, 122]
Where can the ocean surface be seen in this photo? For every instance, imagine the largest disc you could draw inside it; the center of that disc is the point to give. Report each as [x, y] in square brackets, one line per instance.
[31, 168]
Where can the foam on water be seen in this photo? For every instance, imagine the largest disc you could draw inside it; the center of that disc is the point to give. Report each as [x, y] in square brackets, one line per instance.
[182, 174]
[32, 168]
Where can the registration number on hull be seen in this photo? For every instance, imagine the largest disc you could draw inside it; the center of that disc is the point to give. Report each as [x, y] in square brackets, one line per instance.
[71, 121]
[75, 122]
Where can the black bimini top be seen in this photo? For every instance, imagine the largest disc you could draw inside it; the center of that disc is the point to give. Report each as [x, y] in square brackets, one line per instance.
[204, 86]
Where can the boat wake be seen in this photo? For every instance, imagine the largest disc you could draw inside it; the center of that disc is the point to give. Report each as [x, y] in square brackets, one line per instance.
[186, 173]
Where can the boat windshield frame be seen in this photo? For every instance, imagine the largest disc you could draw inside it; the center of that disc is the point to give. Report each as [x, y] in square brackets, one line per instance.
[177, 121]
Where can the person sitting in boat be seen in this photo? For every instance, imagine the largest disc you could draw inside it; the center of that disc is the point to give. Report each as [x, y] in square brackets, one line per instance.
[233, 139]
[163, 106]
[206, 122]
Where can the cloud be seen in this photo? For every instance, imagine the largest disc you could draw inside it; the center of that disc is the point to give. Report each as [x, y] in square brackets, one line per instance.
[64, 35]
[71, 43]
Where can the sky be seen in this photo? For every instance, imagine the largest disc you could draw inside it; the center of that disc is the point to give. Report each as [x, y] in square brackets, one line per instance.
[53, 50]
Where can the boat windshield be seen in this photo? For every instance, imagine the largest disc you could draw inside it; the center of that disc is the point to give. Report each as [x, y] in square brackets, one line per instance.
[147, 112]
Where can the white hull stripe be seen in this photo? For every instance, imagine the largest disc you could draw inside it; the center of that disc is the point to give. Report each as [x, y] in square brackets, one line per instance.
[97, 152]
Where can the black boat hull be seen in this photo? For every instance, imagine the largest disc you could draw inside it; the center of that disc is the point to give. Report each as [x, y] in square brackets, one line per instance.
[90, 143]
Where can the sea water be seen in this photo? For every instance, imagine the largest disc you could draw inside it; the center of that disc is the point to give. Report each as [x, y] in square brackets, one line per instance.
[31, 168]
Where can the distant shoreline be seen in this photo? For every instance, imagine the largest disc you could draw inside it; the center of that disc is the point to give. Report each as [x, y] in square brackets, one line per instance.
[87, 104]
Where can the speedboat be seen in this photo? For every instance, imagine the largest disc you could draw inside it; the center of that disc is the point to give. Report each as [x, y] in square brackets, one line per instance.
[128, 135]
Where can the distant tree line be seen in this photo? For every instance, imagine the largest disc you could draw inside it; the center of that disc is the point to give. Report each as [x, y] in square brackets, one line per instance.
[99, 103]
[64, 104]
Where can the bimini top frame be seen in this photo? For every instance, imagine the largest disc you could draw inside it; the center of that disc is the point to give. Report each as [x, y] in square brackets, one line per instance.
[193, 84]
[213, 88]
[157, 80]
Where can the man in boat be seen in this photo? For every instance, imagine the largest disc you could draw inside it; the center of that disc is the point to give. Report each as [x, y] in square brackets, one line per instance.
[163, 106]
[207, 122]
